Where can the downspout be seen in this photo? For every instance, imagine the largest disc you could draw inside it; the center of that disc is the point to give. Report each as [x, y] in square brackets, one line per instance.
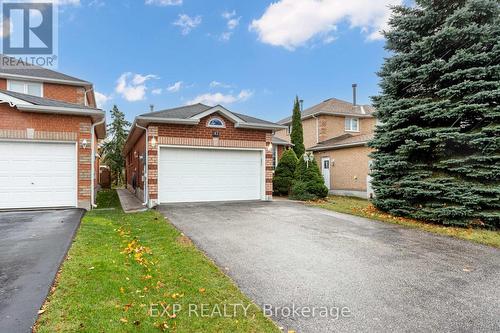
[146, 175]
[92, 162]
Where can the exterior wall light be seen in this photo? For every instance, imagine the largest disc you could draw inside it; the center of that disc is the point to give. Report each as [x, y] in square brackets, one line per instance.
[153, 142]
[270, 147]
[84, 143]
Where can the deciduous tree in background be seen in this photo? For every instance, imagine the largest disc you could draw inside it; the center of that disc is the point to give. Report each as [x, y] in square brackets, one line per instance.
[112, 149]
[438, 149]
[297, 135]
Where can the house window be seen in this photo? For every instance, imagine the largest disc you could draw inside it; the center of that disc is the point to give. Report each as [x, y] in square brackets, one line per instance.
[289, 130]
[25, 87]
[352, 124]
[216, 122]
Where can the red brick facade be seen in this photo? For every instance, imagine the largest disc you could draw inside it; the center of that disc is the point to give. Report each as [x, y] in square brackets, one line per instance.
[52, 127]
[196, 135]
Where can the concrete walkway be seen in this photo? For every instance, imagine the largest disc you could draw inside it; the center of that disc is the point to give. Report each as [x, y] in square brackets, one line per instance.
[129, 202]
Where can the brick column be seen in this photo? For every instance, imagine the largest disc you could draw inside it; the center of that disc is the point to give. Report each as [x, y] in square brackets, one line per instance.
[84, 165]
[153, 166]
[269, 168]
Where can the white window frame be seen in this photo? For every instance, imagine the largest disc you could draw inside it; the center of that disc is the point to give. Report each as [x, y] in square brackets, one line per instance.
[25, 83]
[349, 123]
[216, 126]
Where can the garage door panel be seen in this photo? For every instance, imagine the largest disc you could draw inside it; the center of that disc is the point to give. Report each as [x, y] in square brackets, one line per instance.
[36, 174]
[190, 175]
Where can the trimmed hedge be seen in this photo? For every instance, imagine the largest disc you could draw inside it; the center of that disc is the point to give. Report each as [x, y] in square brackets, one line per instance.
[284, 173]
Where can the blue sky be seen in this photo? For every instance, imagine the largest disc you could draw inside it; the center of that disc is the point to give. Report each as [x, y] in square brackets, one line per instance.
[250, 56]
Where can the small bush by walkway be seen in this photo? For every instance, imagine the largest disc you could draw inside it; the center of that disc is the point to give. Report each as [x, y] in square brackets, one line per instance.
[126, 272]
[363, 208]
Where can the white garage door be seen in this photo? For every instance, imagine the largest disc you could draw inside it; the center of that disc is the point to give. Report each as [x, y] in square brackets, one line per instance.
[194, 175]
[37, 174]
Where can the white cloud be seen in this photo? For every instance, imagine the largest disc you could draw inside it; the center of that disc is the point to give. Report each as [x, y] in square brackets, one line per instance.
[175, 87]
[231, 22]
[97, 3]
[156, 91]
[187, 23]
[215, 84]
[164, 3]
[220, 98]
[101, 99]
[132, 87]
[66, 2]
[292, 23]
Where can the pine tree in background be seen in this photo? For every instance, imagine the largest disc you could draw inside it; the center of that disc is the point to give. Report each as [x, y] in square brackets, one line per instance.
[297, 135]
[438, 149]
[308, 183]
[112, 149]
[284, 173]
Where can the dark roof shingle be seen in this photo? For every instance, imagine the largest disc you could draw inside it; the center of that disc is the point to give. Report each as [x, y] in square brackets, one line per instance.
[44, 101]
[335, 106]
[34, 71]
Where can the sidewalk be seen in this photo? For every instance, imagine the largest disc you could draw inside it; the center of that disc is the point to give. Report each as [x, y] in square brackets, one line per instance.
[130, 203]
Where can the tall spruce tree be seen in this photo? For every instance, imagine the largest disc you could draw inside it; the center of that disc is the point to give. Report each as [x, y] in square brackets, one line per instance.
[297, 135]
[112, 149]
[438, 149]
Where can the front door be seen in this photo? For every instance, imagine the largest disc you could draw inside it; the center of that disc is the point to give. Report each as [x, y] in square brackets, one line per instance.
[325, 170]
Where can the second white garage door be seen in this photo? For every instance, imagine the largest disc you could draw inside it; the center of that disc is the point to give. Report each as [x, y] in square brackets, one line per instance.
[196, 175]
[36, 174]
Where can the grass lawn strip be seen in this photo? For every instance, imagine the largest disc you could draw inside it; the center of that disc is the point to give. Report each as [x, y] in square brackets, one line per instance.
[127, 272]
[363, 208]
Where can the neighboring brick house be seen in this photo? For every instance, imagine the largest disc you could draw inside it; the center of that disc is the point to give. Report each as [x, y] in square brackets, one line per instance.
[337, 132]
[199, 153]
[49, 132]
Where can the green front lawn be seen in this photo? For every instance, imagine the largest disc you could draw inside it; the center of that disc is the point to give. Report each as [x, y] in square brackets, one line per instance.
[363, 208]
[127, 272]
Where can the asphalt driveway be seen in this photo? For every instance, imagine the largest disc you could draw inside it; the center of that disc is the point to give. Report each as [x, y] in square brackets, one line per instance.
[32, 246]
[356, 274]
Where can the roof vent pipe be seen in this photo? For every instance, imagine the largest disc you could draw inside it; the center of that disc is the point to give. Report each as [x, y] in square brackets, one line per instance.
[151, 107]
[354, 86]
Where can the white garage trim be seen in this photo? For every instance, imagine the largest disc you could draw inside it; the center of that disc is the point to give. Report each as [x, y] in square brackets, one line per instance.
[262, 168]
[75, 166]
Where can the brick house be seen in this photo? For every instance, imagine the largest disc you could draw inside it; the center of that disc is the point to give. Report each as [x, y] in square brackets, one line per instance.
[337, 132]
[49, 132]
[199, 153]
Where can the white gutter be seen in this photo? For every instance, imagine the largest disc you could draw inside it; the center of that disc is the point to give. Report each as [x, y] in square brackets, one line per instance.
[258, 126]
[60, 110]
[345, 145]
[92, 162]
[146, 173]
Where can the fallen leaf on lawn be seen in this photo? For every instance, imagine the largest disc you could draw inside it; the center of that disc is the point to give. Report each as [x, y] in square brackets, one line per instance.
[91, 267]
[127, 306]
[124, 320]
[122, 290]
[202, 290]
[173, 315]
[41, 311]
[147, 277]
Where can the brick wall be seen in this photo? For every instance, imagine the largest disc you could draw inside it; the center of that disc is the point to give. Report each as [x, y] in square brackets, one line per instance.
[14, 125]
[349, 167]
[61, 92]
[133, 164]
[201, 135]
[66, 93]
